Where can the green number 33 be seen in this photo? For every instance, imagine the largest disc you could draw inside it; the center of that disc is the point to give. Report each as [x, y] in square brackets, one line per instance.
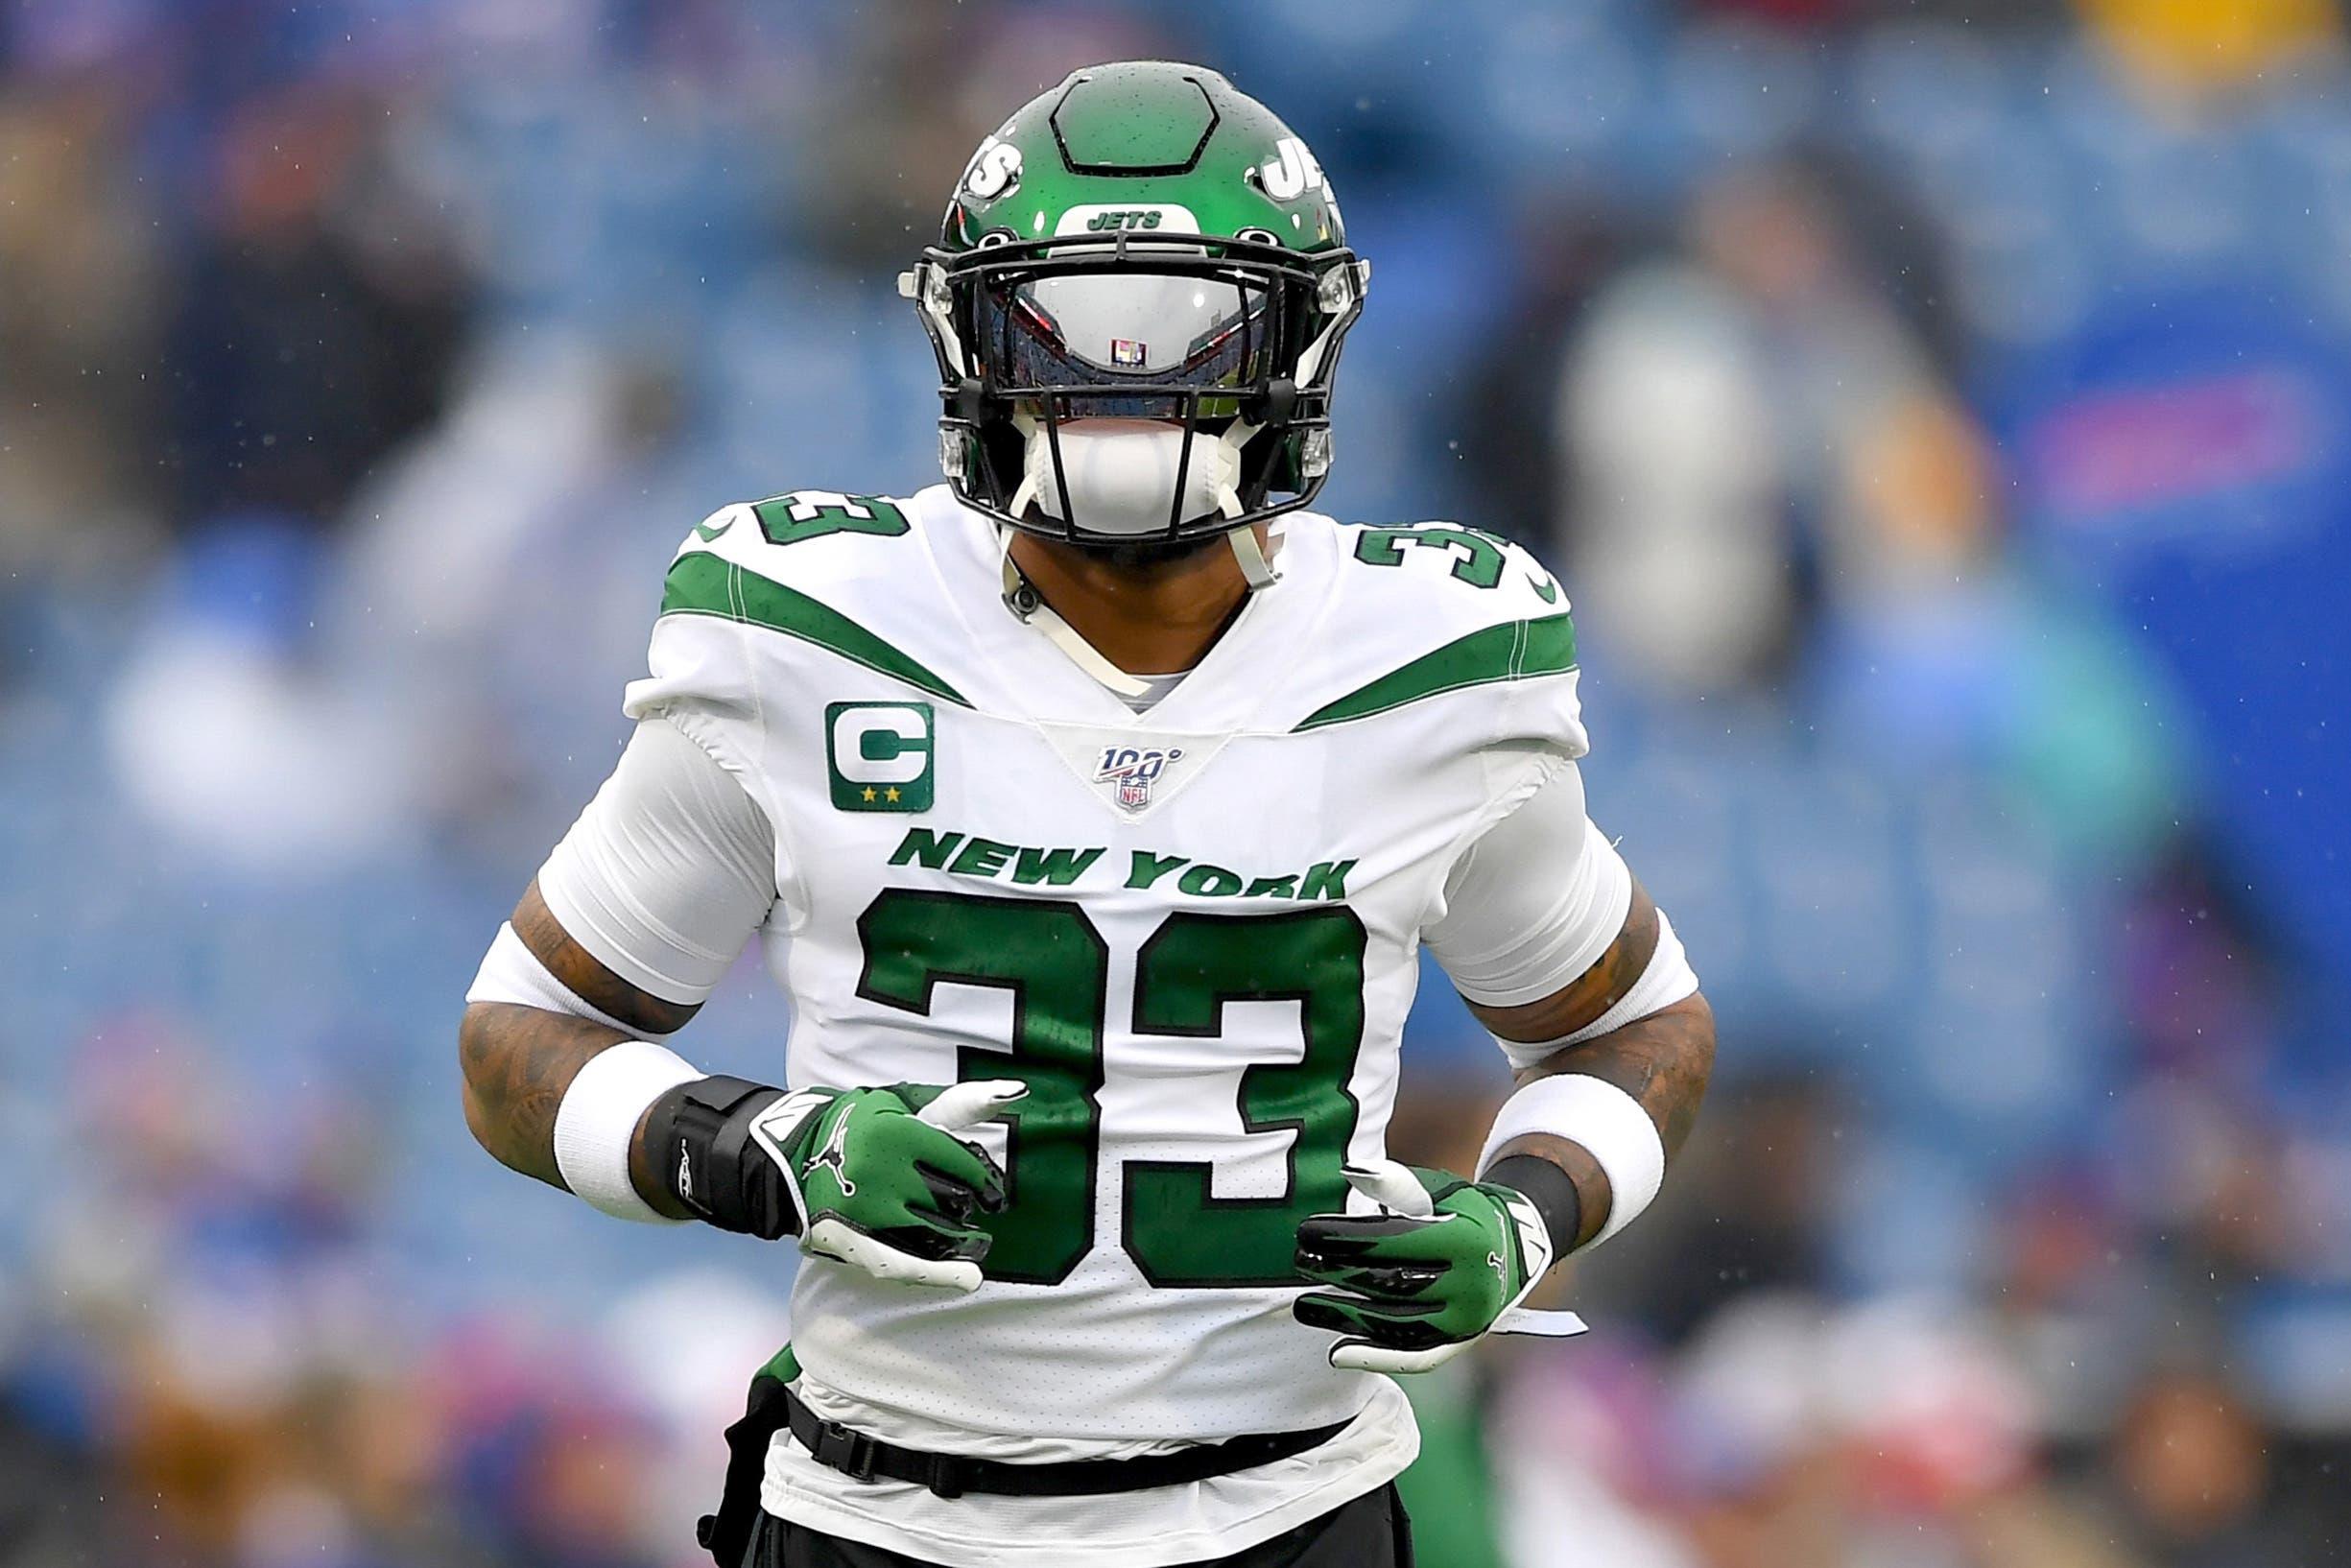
[1056, 966]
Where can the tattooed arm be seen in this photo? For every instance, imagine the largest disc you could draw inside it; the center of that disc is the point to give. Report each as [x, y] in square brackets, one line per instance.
[1563, 956]
[667, 873]
[518, 1061]
[1662, 1060]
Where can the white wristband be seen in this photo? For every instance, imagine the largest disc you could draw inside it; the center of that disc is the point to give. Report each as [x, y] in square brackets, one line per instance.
[598, 1121]
[1606, 1122]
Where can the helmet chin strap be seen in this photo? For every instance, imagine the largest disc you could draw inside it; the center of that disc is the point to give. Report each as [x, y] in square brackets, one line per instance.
[1028, 606]
[1256, 570]
[1117, 480]
[1219, 459]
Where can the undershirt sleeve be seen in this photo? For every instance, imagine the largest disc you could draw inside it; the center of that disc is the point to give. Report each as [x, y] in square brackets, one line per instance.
[1534, 902]
[670, 870]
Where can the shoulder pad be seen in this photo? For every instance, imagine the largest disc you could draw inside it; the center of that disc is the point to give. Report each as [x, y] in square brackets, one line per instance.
[843, 550]
[1423, 610]
[1460, 574]
[823, 569]
[755, 533]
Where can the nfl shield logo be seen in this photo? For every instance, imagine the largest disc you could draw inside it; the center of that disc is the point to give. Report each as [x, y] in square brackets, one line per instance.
[1134, 769]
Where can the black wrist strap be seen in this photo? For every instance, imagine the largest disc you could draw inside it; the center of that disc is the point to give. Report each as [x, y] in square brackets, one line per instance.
[699, 1135]
[1550, 1189]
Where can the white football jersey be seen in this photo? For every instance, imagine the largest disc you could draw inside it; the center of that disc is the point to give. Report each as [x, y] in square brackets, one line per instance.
[1193, 932]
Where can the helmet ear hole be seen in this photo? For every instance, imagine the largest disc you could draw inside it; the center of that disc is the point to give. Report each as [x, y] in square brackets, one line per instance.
[1259, 236]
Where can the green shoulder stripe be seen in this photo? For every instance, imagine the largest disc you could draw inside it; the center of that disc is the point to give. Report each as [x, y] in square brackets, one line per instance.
[701, 584]
[1512, 651]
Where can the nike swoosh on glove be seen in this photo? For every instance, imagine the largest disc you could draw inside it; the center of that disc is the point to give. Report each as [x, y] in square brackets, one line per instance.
[1443, 1262]
[881, 1180]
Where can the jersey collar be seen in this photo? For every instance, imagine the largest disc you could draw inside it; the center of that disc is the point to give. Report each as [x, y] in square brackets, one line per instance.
[1036, 676]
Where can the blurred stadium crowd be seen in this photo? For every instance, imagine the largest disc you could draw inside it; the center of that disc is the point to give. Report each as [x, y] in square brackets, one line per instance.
[1939, 412]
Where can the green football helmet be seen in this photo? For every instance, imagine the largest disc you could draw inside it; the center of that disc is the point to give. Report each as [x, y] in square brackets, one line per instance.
[1137, 302]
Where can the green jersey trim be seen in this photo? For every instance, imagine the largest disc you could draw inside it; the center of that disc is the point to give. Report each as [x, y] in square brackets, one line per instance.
[701, 584]
[1513, 651]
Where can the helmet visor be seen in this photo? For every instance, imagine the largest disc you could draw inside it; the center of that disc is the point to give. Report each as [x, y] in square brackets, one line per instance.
[1122, 339]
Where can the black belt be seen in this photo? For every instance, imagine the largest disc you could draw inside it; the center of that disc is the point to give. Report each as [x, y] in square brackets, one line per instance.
[951, 1475]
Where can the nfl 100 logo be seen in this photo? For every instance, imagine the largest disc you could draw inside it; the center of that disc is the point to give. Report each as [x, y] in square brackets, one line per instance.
[1134, 769]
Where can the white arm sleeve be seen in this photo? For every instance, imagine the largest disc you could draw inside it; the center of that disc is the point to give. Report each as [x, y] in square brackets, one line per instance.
[1534, 903]
[668, 871]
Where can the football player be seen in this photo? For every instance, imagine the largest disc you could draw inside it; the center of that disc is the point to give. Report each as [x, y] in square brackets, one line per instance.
[1092, 809]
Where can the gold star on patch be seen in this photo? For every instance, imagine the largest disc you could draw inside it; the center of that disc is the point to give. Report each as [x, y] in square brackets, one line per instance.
[869, 792]
[890, 795]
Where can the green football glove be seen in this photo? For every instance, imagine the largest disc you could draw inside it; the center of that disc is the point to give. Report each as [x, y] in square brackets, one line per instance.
[881, 1181]
[1443, 1263]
